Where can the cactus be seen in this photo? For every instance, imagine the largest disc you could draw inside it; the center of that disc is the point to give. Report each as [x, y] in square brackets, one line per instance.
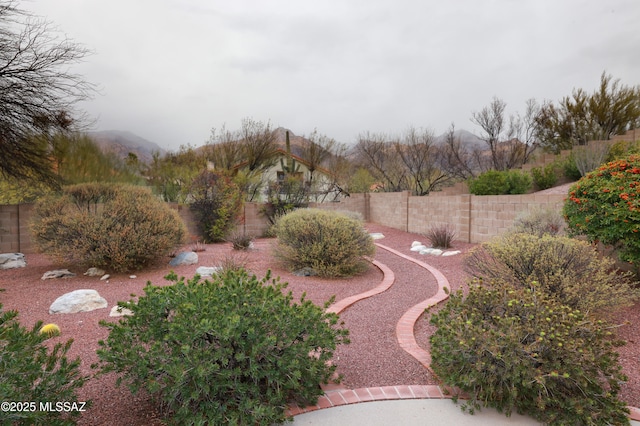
[291, 167]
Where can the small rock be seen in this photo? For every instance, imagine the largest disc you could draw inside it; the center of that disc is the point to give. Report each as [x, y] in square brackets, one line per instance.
[418, 248]
[84, 300]
[184, 258]
[57, 273]
[94, 272]
[207, 271]
[376, 235]
[451, 253]
[118, 311]
[416, 243]
[12, 260]
[133, 277]
[104, 277]
[431, 251]
[305, 272]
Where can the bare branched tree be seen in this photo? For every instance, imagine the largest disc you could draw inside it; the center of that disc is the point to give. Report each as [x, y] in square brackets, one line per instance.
[259, 144]
[458, 160]
[316, 150]
[38, 91]
[224, 149]
[419, 155]
[376, 152]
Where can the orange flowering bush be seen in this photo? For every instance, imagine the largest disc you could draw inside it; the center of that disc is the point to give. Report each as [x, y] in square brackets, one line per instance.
[605, 206]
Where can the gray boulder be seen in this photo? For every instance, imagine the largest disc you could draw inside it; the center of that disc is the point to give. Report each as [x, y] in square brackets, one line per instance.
[57, 273]
[84, 300]
[94, 272]
[184, 258]
[12, 260]
[305, 272]
[207, 271]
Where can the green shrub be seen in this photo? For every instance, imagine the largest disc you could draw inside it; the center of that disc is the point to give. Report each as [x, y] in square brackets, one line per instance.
[621, 149]
[539, 221]
[284, 197]
[566, 268]
[216, 204]
[570, 169]
[441, 236]
[519, 349]
[605, 206]
[112, 226]
[331, 243]
[544, 177]
[233, 350]
[30, 372]
[494, 182]
[240, 241]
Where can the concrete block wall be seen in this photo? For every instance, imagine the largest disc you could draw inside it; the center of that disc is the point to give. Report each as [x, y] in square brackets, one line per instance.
[428, 211]
[14, 228]
[358, 203]
[492, 215]
[390, 209]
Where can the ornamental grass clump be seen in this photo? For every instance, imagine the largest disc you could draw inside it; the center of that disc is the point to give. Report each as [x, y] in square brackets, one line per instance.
[234, 349]
[604, 206]
[517, 348]
[110, 226]
[332, 244]
[565, 268]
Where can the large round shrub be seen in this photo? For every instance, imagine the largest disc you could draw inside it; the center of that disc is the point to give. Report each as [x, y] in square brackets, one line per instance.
[565, 268]
[31, 373]
[519, 349]
[230, 350]
[333, 244]
[118, 227]
[494, 182]
[605, 206]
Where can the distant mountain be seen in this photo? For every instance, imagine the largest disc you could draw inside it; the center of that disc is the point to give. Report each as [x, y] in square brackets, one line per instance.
[466, 137]
[122, 142]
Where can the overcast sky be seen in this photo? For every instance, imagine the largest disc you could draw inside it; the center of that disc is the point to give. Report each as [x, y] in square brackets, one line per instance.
[170, 70]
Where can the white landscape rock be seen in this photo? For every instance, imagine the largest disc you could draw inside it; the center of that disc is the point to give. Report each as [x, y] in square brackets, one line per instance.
[12, 260]
[83, 300]
[416, 243]
[207, 271]
[451, 253]
[419, 248]
[377, 235]
[94, 272]
[57, 273]
[118, 311]
[431, 251]
[184, 258]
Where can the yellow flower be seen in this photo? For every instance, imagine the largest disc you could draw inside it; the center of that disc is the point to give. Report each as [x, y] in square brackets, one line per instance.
[50, 330]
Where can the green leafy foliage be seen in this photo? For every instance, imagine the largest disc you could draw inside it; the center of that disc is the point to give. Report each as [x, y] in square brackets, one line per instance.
[570, 168]
[605, 206]
[331, 243]
[32, 372]
[233, 350]
[516, 348]
[117, 227]
[494, 182]
[565, 268]
[216, 204]
[544, 177]
[283, 197]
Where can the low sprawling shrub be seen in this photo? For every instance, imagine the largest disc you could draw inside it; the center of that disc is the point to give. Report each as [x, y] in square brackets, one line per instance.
[331, 243]
[540, 221]
[216, 203]
[112, 226]
[494, 182]
[240, 241]
[566, 268]
[605, 206]
[441, 236]
[516, 348]
[545, 177]
[32, 373]
[230, 350]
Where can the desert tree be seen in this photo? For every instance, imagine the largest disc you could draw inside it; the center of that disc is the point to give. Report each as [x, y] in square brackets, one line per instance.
[419, 155]
[613, 108]
[376, 152]
[502, 135]
[38, 91]
[457, 159]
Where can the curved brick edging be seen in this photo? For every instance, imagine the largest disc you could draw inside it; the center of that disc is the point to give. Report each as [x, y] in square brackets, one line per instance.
[404, 328]
[388, 279]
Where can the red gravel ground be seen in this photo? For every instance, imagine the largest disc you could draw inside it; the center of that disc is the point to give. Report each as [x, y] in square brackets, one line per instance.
[372, 359]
